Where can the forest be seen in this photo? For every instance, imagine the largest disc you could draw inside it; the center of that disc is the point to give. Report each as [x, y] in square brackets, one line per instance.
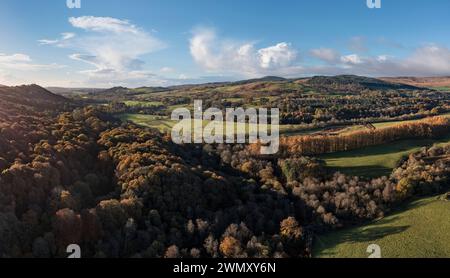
[72, 173]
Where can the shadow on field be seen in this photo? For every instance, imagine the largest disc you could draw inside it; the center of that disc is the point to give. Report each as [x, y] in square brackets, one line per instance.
[373, 234]
[368, 233]
[368, 171]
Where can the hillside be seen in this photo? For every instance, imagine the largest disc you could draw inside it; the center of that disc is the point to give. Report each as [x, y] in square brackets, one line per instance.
[71, 91]
[31, 96]
[353, 83]
[348, 83]
[417, 230]
[432, 82]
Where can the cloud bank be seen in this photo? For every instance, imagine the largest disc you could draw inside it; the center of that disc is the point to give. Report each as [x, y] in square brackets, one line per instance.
[231, 57]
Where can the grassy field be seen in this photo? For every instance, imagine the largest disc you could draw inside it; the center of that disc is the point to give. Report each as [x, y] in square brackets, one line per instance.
[419, 229]
[382, 124]
[377, 161]
[158, 122]
[143, 103]
[442, 89]
[164, 124]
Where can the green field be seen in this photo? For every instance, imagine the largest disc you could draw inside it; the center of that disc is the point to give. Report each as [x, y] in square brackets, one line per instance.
[382, 124]
[417, 230]
[143, 103]
[161, 123]
[442, 89]
[379, 160]
[164, 124]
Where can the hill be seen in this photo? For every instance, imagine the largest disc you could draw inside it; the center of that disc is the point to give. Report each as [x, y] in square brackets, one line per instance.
[71, 91]
[32, 96]
[353, 83]
[431, 82]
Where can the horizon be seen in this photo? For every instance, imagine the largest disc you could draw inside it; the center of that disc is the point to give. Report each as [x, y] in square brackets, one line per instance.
[227, 82]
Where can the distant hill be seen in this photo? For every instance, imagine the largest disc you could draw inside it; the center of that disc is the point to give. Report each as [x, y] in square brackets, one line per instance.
[354, 83]
[431, 82]
[71, 91]
[340, 83]
[263, 79]
[32, 96]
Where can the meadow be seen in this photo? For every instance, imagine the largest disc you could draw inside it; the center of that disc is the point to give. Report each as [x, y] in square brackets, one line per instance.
[379, 160]
[416, 230]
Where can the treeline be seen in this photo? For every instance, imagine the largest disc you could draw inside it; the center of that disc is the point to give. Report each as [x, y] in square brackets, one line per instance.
[321, 144]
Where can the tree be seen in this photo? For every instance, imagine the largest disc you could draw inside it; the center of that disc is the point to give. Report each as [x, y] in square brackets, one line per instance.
[230, 247]
[172, 252]
[292, 234]
[67, 226]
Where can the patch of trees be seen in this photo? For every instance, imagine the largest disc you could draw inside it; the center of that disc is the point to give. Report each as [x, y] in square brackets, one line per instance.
[322, 144]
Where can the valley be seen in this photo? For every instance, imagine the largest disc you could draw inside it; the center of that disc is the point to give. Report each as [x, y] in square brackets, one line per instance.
[353, 150]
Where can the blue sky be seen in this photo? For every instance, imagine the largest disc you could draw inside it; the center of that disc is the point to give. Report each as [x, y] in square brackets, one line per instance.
[148, 42]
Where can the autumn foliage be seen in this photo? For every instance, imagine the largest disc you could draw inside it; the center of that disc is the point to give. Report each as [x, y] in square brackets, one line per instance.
[322, 144]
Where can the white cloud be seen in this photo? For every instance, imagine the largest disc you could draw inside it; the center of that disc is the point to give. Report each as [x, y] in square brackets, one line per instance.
[277, 56]
[167, 69]
[183, 77]
[326, 54]
[351, 59]
[14, 58]
[47, 42]
[67, 36]
[104, 24]
[58, 42]
[227, 56]
[114, 47]
[21, 61]
[428, 60]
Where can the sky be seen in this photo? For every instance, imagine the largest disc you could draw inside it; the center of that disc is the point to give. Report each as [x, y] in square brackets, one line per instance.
[135, 43]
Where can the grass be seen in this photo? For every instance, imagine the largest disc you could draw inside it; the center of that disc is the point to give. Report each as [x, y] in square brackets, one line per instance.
[158, 122]
[165, 124]
[417, 230]
[382, 124]
[377, 161]
[143, 103]
[442, 89]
